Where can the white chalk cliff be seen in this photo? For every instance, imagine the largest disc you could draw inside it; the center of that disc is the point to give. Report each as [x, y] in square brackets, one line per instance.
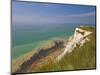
[79, 38]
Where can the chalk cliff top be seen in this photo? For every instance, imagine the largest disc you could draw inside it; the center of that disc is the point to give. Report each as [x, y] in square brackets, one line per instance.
[79, 37]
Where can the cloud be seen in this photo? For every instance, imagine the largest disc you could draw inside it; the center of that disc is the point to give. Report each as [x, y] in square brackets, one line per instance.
[85, 18]
[38, 18]
[88, 14]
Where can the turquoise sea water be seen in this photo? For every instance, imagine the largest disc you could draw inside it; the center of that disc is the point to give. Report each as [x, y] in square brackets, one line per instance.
[26, 38]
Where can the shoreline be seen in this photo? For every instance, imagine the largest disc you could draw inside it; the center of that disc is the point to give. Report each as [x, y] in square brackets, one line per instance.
[42, 44]
[21, 59]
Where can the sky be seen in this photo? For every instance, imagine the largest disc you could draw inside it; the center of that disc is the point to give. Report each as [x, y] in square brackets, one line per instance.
[31, 13]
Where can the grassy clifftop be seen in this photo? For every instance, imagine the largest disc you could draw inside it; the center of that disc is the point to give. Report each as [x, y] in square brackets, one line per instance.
[79, 58]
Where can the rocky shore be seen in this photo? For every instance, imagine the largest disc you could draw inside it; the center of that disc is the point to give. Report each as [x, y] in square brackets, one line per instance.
[41, 54]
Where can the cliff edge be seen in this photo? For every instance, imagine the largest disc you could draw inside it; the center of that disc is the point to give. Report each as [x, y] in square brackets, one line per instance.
[78, 39]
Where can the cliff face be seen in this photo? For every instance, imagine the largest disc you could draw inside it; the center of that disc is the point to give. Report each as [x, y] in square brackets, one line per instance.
[77, 40]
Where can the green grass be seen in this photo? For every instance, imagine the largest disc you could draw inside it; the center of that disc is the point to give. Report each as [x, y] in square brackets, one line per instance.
[88, 28]
[80, 58]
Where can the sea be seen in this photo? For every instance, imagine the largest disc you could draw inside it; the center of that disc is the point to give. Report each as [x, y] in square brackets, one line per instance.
[26, 38]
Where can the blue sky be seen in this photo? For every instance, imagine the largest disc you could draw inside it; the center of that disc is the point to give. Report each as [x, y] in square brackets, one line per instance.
[27, 13]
